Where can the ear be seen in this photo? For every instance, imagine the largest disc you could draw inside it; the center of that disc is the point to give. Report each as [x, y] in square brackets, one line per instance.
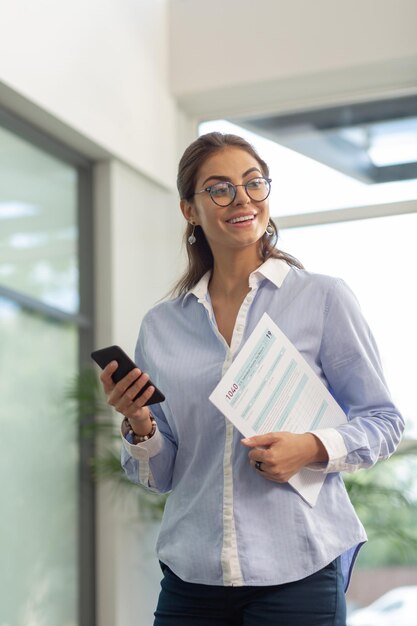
[188, 211]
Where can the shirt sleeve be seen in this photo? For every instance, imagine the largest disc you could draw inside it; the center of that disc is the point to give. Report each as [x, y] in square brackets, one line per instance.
[352, 366]
[141, 452]
[150, 462]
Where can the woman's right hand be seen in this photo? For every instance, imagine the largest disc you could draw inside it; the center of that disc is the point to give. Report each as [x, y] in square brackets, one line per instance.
[120, 396]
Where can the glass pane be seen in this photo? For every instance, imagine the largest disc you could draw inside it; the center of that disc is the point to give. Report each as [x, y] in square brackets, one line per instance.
[38, 471]
[376, 257]
[38, 216]
[303, 185]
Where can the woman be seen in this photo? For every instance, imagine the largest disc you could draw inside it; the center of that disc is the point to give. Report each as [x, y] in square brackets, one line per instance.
[237, 544]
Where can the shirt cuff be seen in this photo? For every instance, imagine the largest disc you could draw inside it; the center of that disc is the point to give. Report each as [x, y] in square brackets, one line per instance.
[336, 450]
[146, 449]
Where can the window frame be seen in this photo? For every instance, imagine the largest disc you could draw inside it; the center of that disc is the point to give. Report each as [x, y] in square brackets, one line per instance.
[331, 216]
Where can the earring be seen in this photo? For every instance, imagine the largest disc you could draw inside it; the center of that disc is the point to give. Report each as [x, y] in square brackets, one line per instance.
[192, 239]
[270, 229]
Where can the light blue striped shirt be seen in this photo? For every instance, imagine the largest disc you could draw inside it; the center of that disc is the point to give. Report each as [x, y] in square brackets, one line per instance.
[224, 524]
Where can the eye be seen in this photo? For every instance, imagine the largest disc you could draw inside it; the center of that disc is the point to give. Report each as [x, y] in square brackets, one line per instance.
[255, 183]
[220, 189]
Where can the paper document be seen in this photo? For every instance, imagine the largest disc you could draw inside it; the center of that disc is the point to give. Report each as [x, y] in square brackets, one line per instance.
[270, 387]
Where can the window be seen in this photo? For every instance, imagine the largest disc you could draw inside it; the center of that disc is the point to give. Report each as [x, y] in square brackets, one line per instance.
[376, 257]
[335, 224]
[44, 222]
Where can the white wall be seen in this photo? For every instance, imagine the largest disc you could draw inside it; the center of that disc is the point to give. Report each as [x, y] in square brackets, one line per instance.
[138, 252]
[239, 57]
[137, 258]
[99, 67]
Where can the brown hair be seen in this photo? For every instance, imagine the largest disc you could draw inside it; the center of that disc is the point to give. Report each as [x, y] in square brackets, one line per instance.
[200, 258]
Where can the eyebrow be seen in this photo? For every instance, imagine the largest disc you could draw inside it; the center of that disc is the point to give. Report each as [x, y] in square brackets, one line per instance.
[226, 178]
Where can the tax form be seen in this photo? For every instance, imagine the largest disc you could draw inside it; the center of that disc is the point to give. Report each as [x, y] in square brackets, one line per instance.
[270, 387]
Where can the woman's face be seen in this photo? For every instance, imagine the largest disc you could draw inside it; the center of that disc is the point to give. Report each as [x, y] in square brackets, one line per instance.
[244, 221]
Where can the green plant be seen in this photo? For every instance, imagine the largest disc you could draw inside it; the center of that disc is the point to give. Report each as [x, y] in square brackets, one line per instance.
[99, 425]
[385, 500]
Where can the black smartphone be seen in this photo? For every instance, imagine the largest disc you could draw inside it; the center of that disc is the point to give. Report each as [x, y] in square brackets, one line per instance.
[114, 353]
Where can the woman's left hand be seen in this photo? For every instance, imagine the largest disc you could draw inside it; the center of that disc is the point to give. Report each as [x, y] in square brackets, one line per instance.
[278, 456]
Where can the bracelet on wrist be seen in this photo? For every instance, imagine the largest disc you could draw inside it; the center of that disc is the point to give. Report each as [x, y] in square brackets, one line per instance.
[142, 438]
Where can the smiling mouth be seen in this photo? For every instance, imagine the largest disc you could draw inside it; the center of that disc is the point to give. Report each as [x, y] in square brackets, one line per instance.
[243, 218]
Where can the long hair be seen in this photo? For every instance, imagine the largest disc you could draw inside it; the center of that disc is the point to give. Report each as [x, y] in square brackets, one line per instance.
[200, 257]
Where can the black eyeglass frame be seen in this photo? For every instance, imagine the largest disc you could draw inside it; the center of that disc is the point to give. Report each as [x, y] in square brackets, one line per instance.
[234, 187]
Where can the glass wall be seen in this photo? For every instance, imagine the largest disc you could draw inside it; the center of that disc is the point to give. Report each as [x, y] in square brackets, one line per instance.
[39, 355]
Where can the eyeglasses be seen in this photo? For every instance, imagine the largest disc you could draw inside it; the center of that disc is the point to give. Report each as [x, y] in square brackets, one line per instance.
[224, 192]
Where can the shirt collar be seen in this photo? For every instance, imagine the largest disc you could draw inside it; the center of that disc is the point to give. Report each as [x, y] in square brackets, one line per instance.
[200, 289]
[274, 270]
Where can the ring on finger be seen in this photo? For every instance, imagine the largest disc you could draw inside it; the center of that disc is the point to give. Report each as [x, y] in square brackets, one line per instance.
[258, 466]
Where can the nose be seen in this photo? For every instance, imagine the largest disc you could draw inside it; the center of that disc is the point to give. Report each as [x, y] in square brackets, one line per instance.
[241, 195]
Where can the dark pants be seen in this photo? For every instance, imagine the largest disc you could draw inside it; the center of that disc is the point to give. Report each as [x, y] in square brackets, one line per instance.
[317, 600]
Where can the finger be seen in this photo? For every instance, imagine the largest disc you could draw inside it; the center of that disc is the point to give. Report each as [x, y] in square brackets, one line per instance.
[259, 454]
[119, 389]
[127, 404]
[144, 397]
[136, 387]
[136, 409]
[258, 465]
[135, 405]
[106, 376]
[129, 380]
[266, 472]
[262, 468]
[260, 440]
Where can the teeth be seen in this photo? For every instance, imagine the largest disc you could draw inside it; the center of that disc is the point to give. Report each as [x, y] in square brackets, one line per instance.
[244, 218]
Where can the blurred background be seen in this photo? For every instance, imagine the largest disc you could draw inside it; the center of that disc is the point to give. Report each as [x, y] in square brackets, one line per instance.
[98, 99]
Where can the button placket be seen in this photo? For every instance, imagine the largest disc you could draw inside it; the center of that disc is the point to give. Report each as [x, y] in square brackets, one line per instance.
[232, 574]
